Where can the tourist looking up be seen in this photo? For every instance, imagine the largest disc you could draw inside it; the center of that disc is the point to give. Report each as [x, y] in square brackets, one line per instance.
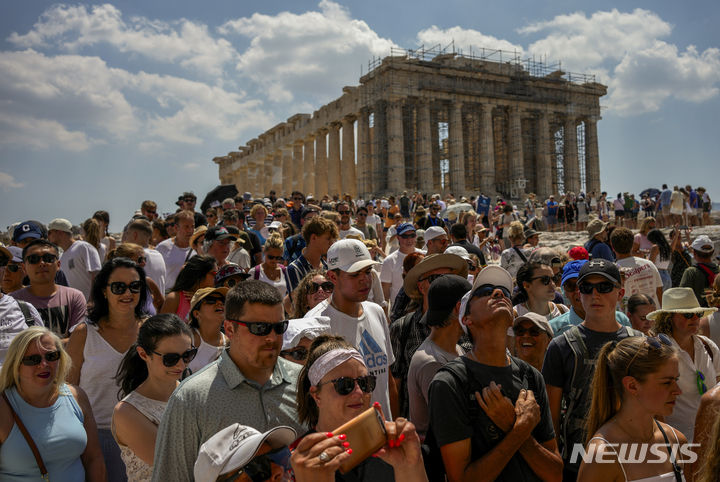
[80, 260]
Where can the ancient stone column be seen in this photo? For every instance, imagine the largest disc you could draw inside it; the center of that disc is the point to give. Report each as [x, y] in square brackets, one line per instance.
[251, 178]
[380, 149]
[348, 174]
[425, 165]
[570, 156]
[517, 168]
[487, 151]
[396, 149]
[457, 155]
[333, 159]
[592, 157]
[296, 181]
[275, 179]
[435, 149]
[285, 181]
[285, 162]
[544, 159]
[363, 153]
[321, 164]
[309, 166]
[269, 173]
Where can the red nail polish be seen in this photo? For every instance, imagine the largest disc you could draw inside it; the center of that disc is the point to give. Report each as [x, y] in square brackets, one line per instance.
[349, 451]
[400, 439]
[346, 444]
[376, 404]
[329, 434]
[391, 443]
[342, 436]
[375, 455]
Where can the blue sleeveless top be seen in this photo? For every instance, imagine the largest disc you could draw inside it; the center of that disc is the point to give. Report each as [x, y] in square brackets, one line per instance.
[59, 434]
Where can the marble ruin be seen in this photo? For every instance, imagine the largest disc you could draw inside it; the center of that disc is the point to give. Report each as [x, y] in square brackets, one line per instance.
[430, 121]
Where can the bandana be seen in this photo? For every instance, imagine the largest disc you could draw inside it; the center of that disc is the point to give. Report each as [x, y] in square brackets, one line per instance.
[331, 360]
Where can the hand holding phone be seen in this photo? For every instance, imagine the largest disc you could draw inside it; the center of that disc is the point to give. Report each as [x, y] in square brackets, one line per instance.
[366, 435]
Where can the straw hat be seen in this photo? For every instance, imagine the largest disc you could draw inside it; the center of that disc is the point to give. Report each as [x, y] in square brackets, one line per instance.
[680, 300]
[199, 231]
[429, 263]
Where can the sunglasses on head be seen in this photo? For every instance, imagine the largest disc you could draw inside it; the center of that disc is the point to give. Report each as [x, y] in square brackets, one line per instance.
[545, 280]
[298, 354]
[211, 300]
[172, 359]
[119, 287]
[36, 258]
[345, 385]
[326, 286]
[488, 290]
[33, 360]
[13, 268]
[259, 469]
[655, 342]
[603, 287]
[263, 328]
[532, 331]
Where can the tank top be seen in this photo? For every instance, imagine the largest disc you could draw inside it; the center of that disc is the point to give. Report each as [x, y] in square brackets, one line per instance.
[206, 353]
[714, 326]
[137, 469]
[100, 365]
[183, 306]
[57, 431]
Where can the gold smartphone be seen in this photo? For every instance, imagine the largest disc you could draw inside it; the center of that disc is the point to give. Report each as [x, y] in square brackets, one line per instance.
[366, 435]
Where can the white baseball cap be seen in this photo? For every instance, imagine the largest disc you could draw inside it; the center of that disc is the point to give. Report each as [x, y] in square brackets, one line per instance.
[433, 232]
[458, 251]
[490, 275]
[349, 255]
[60, 224]
[233, 447]
[301, 328]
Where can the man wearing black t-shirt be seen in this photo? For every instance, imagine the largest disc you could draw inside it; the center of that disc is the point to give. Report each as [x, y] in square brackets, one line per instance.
[489, 411]
[570, 359]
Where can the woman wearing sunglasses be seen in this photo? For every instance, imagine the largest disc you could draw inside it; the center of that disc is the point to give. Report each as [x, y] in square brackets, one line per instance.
[155, 298]
[57, 416]
[300, 335]
[206, 319]
[98, 345]
[699, 356]
[635, 382]
[147, 376]
[333, 388]
[198, 272]
[313, 289]
[536, 291]
[272, 271]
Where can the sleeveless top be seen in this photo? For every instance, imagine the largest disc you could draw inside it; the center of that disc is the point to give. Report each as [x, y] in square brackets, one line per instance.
[206, 353]
[137, 470]
[183, 306]
[100, 365]
[714, 326]
[57, 431]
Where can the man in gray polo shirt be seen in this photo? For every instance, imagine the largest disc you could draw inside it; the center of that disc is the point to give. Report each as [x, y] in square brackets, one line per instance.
[248, 384]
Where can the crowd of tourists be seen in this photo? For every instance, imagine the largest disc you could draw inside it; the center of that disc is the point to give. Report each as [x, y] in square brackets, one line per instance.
[406, 338]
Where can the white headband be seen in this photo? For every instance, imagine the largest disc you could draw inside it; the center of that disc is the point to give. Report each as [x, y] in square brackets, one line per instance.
[330, 360]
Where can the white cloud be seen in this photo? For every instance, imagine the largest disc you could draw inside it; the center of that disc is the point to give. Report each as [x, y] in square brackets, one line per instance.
[73, 28]
[465, 39]
[190, 166]
[7, 181]
[310, 54]
[23, 131]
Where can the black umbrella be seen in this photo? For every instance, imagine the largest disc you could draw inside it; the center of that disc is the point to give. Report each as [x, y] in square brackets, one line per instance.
[218, 194]
[651, 192]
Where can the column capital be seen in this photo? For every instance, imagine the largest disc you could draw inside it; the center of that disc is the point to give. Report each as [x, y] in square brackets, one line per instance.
[335, 125]
[322, 131]
[350, 118]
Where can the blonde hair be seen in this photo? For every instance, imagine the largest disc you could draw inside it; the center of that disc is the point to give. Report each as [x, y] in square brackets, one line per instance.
[126, 250]
[633, 357]
[9, 375]
[516, 230]
[645, 225]
[710, 469]
[275, 241]
[92, 232]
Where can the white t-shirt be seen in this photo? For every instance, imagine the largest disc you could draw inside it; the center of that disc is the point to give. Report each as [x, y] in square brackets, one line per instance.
[355, 231]
[371, 336]
[79, 263]
[641, 276]
[174, 260]
[373, 220]
[155, 267]
[391, 272]
[12, 322]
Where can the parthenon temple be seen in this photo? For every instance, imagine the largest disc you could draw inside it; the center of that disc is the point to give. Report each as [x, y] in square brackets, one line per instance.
[431, 121]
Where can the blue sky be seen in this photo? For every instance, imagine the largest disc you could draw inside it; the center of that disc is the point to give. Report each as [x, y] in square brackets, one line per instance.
[103, 105]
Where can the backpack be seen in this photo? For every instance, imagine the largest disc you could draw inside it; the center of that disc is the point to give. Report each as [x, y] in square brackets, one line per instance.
[709, 274]
[576, 404]
[29, 320]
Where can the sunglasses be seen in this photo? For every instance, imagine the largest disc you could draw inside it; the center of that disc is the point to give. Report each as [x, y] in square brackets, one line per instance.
[408, 236]
[298, 354]
[700, 381]
[210, 215]
[603, 287]
[532, 331]
[36, 258]
[259, 469]
[545, 280]
[33, 360]
[345, 385]
[488, 290]
[343, 212]
[432, 277]
[211, 300]
[271, 257]
[471, 266]
[361, 215]
[172, 359]
[326, 286]
[13, 268]
[119, 288]
[263, 328]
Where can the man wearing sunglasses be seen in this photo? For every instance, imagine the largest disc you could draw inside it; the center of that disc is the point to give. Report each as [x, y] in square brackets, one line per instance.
[392, 266]
[344, 225]
[60, 307]
[570, 360]
[248, 384]
[489, 411]
[12, 280]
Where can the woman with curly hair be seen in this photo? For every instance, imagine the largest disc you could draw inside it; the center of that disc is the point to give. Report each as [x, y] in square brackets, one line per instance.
[313, 289]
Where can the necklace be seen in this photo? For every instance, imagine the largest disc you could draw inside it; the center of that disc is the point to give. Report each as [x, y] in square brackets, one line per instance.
[643, 439]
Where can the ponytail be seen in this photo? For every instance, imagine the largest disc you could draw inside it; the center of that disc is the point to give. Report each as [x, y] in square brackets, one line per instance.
[604, 402]
[131, 372]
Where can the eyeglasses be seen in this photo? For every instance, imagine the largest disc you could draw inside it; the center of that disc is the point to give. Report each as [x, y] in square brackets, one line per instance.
[603, 287]
[408, 236]
[36, 258]
[298, 354]
[345, 385]
[33, 360]
[172, 359]
[13, 268]
[211, 300]
[700, 381]
[259, 469]
[326, 286]
[545, 280]
[688, 316]
[119, 288]
[271, 257]
[189, 199]
[532, 331]
[488, 290]
[432, 277]
[263, 328]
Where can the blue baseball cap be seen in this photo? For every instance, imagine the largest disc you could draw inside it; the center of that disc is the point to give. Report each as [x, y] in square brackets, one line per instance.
[404, 228]
[27, 229]
[572, 270]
